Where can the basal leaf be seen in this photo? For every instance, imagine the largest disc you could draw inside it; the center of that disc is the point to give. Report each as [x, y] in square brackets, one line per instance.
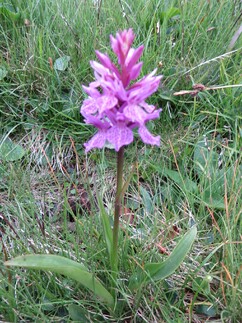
[159, 271]
[66, 267]
[148, 203]
[170, 13]
[206, 309]
[77, 314]
[183, 183]
[213, 201]
[10, 151]
[106, 226]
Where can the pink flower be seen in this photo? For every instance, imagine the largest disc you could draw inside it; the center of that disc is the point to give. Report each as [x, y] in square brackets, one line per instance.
[120, 105]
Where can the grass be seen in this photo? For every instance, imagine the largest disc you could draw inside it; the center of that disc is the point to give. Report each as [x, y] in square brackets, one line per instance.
[48, 185]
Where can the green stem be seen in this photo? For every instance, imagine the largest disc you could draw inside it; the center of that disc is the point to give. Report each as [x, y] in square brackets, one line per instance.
[117, 211]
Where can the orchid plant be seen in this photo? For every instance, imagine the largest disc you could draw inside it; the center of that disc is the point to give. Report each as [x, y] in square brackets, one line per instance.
[116, 106]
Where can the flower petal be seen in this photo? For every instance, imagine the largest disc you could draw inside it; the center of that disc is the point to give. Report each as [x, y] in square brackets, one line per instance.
[133, 56]
[135, 114]
[106, 61]
[135, 71]
[97, 141]
[149, 108]
[97, 122]
[99, 68]
[106, 102]
[89, 107]
[153, 115]
[147, 137]
[91, 91]
[141, 90]
[120, 135]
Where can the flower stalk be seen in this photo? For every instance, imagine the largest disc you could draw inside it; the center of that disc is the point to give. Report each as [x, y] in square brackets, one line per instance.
[117, 212]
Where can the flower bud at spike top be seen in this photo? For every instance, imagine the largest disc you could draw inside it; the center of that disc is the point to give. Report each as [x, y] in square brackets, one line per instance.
[116, 104]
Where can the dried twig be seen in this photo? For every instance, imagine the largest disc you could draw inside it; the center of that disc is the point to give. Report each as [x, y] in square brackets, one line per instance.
[200, 87]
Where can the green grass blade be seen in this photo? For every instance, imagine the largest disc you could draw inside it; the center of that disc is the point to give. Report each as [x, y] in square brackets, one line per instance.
[66, 267]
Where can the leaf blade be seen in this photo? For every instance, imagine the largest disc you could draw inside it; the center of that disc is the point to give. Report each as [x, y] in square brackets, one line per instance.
[106, 226]
[66, 267]
[62, 63]
[162, 270]
[159, 271]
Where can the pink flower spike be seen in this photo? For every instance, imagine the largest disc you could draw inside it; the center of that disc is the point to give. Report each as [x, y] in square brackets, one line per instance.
[121, 44]
[115, 106]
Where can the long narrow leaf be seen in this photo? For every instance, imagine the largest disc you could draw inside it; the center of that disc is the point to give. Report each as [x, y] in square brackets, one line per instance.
[184, 183]
[106, 226]
[66, 267]
[159, 271]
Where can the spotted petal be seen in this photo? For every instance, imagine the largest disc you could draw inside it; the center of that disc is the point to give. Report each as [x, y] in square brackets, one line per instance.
[120, 135]
[106, 102]
[97, 141]
[135, 114]
[147, 137]
[89, 107]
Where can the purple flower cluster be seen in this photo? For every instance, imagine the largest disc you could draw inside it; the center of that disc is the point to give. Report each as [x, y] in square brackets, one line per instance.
[120, 105]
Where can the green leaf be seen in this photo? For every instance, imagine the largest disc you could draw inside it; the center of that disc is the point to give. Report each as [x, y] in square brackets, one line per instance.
[205, 159]
[183, 183]
[201, 285]
[159, 271]
[208, 310]
[66, 267]
[214, 187]
[211, 177]
[167, 97]
[8, 11]
[170, 13]
[106, 226]
[9, 151]
[77, 314]
[3, 72]
[46, 305]
[62, 63]
[213, 200]
[148, 203]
